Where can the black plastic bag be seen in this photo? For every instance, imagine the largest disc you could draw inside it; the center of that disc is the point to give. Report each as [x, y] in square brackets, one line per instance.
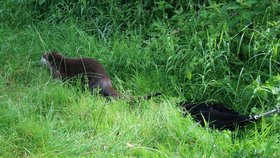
[218, 116]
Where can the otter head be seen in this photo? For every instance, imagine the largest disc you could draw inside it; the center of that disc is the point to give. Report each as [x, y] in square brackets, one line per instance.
[51, 58]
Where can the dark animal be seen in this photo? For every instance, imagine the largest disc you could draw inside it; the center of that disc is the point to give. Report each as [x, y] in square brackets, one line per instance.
[91, 71]
[218, 116]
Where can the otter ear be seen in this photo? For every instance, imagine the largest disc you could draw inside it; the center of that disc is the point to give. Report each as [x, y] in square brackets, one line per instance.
[51, 57]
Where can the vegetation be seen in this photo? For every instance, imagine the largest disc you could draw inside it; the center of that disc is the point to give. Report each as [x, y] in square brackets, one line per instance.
[214, 51]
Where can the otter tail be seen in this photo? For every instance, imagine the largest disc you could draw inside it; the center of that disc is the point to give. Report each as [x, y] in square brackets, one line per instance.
[150, 96]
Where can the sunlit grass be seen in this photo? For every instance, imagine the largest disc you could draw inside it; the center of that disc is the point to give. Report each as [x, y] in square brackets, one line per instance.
[45, 117]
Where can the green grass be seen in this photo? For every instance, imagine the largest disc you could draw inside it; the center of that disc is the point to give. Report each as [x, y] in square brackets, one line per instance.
[42, 117]
[183, 59]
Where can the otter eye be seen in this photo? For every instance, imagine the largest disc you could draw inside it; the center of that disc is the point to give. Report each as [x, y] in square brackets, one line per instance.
[45, 56]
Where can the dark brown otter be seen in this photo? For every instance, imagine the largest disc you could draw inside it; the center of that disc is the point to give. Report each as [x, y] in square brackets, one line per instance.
[91, 70]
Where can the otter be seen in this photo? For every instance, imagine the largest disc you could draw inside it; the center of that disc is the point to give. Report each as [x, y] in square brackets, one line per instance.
[91, 71]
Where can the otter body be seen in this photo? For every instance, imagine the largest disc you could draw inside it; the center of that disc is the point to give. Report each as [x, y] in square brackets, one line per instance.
[91, 71]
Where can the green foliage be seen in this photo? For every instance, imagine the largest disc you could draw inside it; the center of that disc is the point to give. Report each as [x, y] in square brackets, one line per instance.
[215, 51]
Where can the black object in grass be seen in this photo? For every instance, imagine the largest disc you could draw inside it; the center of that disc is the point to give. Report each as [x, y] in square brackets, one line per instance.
[219, 116]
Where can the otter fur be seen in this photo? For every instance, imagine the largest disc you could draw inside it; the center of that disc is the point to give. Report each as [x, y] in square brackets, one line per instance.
[91, 70]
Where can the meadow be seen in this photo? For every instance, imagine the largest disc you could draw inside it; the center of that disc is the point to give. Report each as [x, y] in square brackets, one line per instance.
[212, 51]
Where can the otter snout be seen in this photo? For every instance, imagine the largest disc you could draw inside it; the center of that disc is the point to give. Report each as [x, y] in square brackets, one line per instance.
[44, 61]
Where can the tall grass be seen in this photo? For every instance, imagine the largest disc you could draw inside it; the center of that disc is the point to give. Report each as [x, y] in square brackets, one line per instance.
[196, 51]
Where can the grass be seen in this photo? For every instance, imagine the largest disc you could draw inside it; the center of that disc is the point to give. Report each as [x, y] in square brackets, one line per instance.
[42, 117]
